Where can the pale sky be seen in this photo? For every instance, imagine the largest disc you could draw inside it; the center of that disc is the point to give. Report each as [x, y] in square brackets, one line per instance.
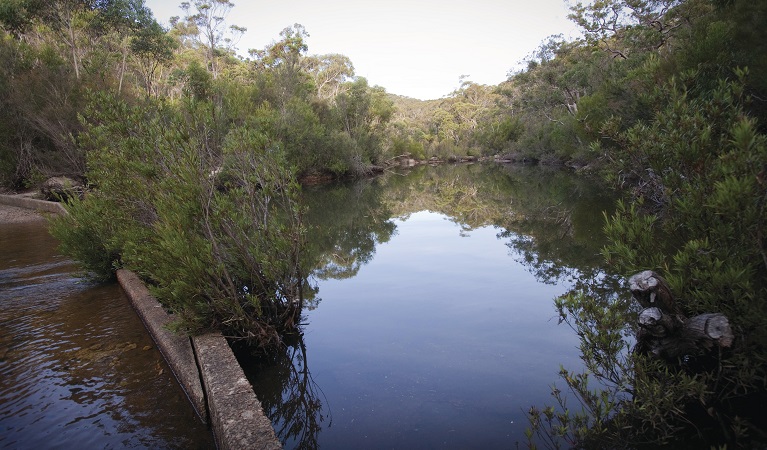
[417, 48]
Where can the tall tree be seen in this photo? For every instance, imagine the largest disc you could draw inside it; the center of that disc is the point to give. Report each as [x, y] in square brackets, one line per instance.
[152, 47]
[329, 73]
[209, 17]
[283, 64]
[623, 25]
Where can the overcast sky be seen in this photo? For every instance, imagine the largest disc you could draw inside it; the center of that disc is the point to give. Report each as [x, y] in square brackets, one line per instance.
[417, 48]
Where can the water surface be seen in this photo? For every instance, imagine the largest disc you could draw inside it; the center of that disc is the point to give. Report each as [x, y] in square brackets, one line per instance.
[77, 367]
[433, 325]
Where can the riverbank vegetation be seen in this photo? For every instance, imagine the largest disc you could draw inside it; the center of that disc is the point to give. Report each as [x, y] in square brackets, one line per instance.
[183, 142]
[680, 123]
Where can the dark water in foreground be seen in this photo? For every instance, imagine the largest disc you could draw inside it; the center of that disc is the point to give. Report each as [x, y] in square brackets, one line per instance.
[433, 325]
[77, 368]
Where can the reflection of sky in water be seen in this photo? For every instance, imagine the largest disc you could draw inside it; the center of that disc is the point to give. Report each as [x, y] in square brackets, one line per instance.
[441, 341]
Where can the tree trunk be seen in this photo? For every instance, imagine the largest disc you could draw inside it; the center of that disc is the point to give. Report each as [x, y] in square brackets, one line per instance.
[122, 69]
[651, 290]
[73, 46]
[672, 337]
[664, 332]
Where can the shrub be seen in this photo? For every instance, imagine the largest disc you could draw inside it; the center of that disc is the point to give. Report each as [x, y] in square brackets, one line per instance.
[213, 227]
[703, 161]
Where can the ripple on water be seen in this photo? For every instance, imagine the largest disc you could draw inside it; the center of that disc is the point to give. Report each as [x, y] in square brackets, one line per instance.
[77, 368]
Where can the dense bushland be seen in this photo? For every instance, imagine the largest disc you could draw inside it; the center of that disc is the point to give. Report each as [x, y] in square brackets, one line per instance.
[326, 120]
[680, 125]
[191, 154]
[705, 181]
[212, 224]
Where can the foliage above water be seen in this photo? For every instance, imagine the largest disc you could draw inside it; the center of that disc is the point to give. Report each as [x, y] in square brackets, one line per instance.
[688, 142]
[213, 225]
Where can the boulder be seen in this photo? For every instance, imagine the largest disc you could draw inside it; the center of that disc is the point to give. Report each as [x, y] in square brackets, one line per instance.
[61, 188]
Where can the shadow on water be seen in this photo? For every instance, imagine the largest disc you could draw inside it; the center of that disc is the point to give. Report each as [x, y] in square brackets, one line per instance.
[287, 392]
[421, 304]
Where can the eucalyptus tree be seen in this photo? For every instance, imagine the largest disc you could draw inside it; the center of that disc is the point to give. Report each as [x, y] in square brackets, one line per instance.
[283, 63]
[208, 21]
[455, 122]
[62, 16]
[329, 73]
[363, 111]
[152, 46]
[622, 26]
[76, 23]
[56, 51]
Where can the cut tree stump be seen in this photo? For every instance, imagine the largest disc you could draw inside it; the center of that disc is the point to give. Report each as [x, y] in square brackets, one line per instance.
[666, 333]
[652, 290]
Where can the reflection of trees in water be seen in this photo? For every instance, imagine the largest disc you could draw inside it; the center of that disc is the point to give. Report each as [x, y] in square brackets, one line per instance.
[557, 231]
[546, 270]
[551, 218]
[471, 196]
[346, 222]
[290, 397]
[545, 243]
[552, 221]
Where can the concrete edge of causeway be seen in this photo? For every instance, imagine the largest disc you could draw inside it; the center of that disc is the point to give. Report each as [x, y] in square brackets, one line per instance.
[238, 420]
[207, 369]
[31, 203]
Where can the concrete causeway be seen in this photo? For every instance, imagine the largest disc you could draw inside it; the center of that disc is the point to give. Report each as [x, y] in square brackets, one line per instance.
[207, 369]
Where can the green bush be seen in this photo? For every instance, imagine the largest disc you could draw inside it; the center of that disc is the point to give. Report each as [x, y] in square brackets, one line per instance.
[704, 160]
[213, 227]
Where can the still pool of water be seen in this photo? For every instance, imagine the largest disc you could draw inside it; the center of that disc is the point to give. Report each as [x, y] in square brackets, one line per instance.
[77, 367]
[431, 343]
[434, 324]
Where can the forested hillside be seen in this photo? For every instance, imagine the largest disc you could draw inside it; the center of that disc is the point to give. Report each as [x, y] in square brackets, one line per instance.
[571, 104]
[60, 54]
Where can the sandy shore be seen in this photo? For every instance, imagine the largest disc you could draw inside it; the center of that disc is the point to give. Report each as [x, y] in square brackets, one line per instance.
[13, 214]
